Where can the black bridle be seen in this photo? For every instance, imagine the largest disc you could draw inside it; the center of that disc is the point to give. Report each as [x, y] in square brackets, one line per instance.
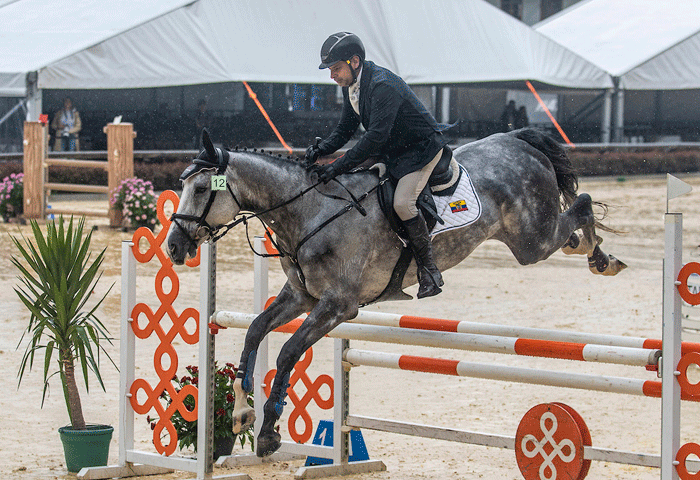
[215, 233]
[197, 166]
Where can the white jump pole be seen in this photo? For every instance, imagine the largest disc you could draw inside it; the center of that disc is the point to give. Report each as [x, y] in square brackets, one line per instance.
[641, 357]
[671, 353]
[463, 326]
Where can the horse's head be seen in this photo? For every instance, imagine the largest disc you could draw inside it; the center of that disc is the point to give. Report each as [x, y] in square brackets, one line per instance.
[203, 208]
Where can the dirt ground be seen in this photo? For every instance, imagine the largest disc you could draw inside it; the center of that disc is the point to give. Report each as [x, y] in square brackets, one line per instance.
[487, 287]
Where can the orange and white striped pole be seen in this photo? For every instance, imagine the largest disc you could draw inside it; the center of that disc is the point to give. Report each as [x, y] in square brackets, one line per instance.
[462, 326]
[601, 383]
[465, 341]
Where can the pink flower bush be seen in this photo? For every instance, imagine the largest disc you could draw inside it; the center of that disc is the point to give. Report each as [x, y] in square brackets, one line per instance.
[11, 196]
[137, 202]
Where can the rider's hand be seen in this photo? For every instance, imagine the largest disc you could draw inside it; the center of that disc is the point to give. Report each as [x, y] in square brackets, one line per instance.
[312, 154]
[325, 173]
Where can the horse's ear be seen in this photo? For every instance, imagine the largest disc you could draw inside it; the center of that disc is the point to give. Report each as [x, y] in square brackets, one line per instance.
[208, 145]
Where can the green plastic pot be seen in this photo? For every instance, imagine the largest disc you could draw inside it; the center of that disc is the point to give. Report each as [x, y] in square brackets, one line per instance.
[86, 448]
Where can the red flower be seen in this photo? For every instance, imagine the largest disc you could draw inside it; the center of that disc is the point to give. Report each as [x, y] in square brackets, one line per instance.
[153, 425]
[220, 412]
[229, 398]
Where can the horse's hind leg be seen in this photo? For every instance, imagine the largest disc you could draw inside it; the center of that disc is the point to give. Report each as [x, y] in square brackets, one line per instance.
[539, 239]
[588, 244]
[330, 312]
[288, 305]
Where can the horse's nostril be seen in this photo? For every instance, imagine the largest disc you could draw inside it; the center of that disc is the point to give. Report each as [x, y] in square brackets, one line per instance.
[172, 247]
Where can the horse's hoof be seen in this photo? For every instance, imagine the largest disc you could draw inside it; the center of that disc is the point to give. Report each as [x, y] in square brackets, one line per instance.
[268, 444]
[243, 420]
[615, 266]
[579, 245]
[606, 265]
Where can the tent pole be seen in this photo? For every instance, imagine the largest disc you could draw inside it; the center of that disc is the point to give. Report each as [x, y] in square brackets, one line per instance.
[434, 100]
[34, 106]
[607, 116]
[619, 131]
[445, 107]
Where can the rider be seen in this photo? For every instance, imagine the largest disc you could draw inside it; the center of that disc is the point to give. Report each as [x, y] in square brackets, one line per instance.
[397, 127]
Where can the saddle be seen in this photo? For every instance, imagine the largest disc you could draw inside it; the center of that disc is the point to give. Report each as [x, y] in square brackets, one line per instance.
[443, 182]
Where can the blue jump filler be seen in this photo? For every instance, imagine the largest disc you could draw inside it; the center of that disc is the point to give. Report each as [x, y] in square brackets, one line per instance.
[324, 436]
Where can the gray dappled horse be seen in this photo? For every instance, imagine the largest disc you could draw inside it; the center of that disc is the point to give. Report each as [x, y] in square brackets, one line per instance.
[336, 261]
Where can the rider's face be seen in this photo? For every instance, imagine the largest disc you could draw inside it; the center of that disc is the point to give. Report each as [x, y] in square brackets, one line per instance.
[341, 74]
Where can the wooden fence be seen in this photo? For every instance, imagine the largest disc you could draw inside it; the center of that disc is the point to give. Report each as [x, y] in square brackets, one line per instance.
[119, 166]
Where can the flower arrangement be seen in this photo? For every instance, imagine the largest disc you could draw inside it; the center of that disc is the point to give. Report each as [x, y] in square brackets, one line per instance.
[137, 202]
[223, 408]
[11, 196]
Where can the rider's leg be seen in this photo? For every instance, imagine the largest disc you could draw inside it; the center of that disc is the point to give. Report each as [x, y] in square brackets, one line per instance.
[405, 196]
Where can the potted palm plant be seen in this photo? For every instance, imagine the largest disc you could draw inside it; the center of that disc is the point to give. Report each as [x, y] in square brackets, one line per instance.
[56, 282]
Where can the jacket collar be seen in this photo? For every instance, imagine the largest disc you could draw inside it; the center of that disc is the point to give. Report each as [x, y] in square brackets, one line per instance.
[365, 77]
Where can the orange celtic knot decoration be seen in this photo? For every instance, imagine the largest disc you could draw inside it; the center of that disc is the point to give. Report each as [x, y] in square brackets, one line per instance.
[153, 325]
[312, 393]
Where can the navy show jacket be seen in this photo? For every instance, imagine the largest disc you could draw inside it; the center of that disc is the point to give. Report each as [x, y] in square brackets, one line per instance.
[397, 125]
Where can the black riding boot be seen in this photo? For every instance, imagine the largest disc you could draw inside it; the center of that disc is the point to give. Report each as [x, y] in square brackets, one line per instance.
[429, 276]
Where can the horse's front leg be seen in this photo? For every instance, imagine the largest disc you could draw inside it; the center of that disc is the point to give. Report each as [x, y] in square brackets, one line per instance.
[288, 305]
[330, 311]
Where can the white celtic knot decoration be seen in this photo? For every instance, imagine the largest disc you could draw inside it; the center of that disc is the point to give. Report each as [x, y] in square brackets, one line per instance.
[548, 438]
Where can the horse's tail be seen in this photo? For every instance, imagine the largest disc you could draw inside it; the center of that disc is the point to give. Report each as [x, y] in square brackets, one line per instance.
[567, 179]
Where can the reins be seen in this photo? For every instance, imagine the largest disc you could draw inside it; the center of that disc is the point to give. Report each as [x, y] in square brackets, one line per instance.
[215, 233]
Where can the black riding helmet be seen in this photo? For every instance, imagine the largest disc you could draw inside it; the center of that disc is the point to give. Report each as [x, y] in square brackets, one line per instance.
[340, 47]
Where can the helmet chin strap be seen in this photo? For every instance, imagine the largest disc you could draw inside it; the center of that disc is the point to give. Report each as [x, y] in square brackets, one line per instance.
[354, 71]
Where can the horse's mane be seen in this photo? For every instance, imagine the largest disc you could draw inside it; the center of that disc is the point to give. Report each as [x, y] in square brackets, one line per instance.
[275, 158]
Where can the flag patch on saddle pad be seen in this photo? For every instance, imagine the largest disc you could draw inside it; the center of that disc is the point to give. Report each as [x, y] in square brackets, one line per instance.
[458, 206]
[460, 209]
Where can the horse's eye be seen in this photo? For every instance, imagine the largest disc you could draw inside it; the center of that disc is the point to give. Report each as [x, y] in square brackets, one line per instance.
[199, 190]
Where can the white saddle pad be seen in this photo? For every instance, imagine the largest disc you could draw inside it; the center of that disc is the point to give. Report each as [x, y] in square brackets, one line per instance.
[460, 209]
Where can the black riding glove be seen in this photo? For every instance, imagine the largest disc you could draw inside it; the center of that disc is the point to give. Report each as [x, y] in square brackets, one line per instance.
[312, 154]
[325, 173]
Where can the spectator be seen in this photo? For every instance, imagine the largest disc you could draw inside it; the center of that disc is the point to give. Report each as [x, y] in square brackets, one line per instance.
[508, 117]
[66, 124]
[521, 120]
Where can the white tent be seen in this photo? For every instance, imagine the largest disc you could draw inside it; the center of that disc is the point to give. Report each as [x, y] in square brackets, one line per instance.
[643, 44]
[647, 44]
[35, 35]
[91, 44]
